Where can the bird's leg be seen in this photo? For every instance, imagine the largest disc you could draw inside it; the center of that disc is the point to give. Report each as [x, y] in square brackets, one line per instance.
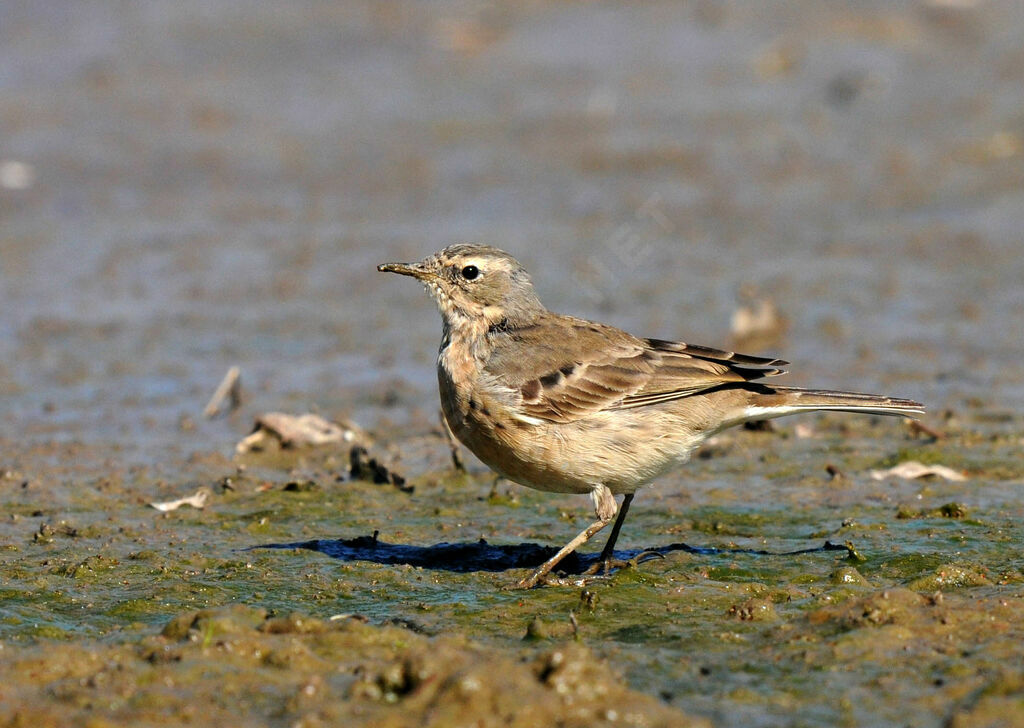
[609, 548]
[605, 508]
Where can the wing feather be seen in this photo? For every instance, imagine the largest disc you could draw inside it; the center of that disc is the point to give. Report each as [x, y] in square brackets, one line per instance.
[575, 368]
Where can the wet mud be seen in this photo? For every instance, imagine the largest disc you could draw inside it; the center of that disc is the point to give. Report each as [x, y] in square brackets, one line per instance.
[113, 610]
[186, 189]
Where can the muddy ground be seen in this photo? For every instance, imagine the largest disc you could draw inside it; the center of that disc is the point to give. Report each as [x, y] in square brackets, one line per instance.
[188, 187]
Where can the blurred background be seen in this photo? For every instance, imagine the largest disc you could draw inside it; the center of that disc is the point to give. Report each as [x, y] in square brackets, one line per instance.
[188, 186]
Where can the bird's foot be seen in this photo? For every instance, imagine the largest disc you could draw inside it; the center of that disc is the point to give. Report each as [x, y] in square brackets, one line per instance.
[609, 565]
[526, 583]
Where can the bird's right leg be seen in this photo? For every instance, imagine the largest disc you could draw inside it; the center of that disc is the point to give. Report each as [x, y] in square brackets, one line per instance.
[605, 508]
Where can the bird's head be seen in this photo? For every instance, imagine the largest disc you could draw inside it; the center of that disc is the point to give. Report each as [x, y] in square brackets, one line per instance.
[475, 283]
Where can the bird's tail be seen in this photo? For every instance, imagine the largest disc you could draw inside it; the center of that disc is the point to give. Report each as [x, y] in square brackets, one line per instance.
[781, 401]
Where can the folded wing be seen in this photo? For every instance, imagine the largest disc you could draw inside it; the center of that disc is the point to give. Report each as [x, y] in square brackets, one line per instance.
[577, 369]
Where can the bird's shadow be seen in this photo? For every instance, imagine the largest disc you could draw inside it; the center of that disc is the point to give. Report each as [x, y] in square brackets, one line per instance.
[482, 556]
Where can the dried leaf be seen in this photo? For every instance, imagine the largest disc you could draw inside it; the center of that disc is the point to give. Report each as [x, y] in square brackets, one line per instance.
[914, 469]
[296, 431]
[196, 500]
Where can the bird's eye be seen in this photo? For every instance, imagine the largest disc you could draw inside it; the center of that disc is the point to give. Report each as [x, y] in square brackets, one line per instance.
[470, 272]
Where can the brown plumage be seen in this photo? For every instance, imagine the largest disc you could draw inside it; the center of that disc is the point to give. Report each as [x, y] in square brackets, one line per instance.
[562, 404]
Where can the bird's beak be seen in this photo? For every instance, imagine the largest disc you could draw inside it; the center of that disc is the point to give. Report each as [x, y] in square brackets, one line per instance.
[416, 270]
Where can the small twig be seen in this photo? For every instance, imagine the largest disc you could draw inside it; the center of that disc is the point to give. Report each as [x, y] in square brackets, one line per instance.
[453, 445]
[918, 427]
[230, 388]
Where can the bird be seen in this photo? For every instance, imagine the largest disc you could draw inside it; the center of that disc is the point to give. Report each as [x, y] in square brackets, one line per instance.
[566, 405]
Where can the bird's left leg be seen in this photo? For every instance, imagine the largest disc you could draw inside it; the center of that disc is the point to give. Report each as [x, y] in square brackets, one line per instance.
[609, 548]
[605, 508]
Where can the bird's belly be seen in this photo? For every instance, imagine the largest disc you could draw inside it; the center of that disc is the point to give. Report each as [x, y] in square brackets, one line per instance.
[617, 449]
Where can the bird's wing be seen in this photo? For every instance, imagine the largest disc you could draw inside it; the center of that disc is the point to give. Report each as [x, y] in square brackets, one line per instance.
[685, 369]
[565, 369]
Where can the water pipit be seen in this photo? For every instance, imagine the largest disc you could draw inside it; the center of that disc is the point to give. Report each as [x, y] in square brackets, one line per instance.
[565, 405]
